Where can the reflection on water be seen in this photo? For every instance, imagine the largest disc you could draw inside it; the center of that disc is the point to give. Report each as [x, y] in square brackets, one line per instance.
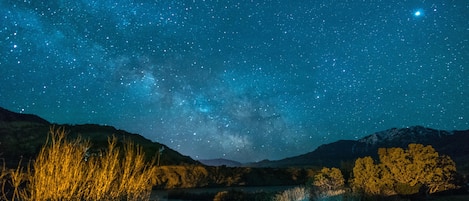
[162, 195]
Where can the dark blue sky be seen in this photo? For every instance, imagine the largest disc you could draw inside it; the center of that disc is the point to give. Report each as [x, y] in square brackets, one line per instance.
[238, 79]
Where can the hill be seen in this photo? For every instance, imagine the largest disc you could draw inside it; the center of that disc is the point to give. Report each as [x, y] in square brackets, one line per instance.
[344, 152]
[22, 136]
[221, 162]
[7, 116]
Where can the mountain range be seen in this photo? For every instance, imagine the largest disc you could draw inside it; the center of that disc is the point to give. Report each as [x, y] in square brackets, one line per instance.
[344, 152]
[22, 135]
[221, 162]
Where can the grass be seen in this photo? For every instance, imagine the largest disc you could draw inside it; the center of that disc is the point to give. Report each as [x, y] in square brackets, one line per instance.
[63, 170]
[294, 194]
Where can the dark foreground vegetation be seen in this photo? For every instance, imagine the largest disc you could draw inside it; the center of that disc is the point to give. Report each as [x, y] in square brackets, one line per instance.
[415, 173]
[196, 176]
[303, 193]
[66, 170]
[92, 162]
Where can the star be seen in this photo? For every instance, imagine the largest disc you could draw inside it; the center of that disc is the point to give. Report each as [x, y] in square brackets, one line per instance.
[418, 13]
[239, 80]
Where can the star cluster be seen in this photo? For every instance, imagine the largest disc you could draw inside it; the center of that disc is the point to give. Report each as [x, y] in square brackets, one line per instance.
[242, 80]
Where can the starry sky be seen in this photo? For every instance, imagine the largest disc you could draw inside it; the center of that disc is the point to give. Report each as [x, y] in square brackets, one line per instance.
[242, 80]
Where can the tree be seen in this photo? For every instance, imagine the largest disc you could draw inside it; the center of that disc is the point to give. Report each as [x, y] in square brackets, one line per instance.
[417, 165]
[329, 181]
[443, 175]
[366, 177]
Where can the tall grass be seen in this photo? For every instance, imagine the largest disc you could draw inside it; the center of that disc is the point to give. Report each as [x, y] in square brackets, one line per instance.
[3, 179]
[62, 171]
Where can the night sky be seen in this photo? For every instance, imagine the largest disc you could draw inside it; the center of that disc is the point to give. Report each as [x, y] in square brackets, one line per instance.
[242, 80]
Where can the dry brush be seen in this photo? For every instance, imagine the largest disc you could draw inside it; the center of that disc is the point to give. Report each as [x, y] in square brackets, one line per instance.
[64, 170]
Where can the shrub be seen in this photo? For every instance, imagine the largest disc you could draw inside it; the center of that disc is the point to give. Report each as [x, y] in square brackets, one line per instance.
[62, 171]
[402, 171]
[294, 194]
[328, 182]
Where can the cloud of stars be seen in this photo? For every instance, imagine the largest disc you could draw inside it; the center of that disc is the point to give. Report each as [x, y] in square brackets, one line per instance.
[238, 79]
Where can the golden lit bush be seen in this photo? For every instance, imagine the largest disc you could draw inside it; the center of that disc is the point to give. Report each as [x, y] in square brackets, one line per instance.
[63, 171]
[419, 165]
[328, 182]
[329, 179]
[404, 171]
[368, 178]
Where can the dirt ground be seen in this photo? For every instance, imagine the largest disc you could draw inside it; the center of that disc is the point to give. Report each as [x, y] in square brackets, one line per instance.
[452, 198]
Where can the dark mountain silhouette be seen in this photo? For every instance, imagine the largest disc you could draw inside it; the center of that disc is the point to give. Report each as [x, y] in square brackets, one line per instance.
[221, 162]
[22, 136]
[343, 152]
[9, 116]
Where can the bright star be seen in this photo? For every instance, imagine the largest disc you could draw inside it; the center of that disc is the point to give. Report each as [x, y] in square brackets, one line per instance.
[418, 13]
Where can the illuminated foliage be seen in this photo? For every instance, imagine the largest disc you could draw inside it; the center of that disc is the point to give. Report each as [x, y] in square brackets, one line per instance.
[327, 182]
[329, 179]
[418, 165]
[367, 177]
[61, 171]
[297, 193]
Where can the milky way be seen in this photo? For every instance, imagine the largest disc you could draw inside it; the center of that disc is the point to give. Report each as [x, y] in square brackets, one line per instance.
[238, 79]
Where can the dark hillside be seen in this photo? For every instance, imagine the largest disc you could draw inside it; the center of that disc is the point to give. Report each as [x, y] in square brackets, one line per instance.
[452, 143]
[9, 116]
[22, 136]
